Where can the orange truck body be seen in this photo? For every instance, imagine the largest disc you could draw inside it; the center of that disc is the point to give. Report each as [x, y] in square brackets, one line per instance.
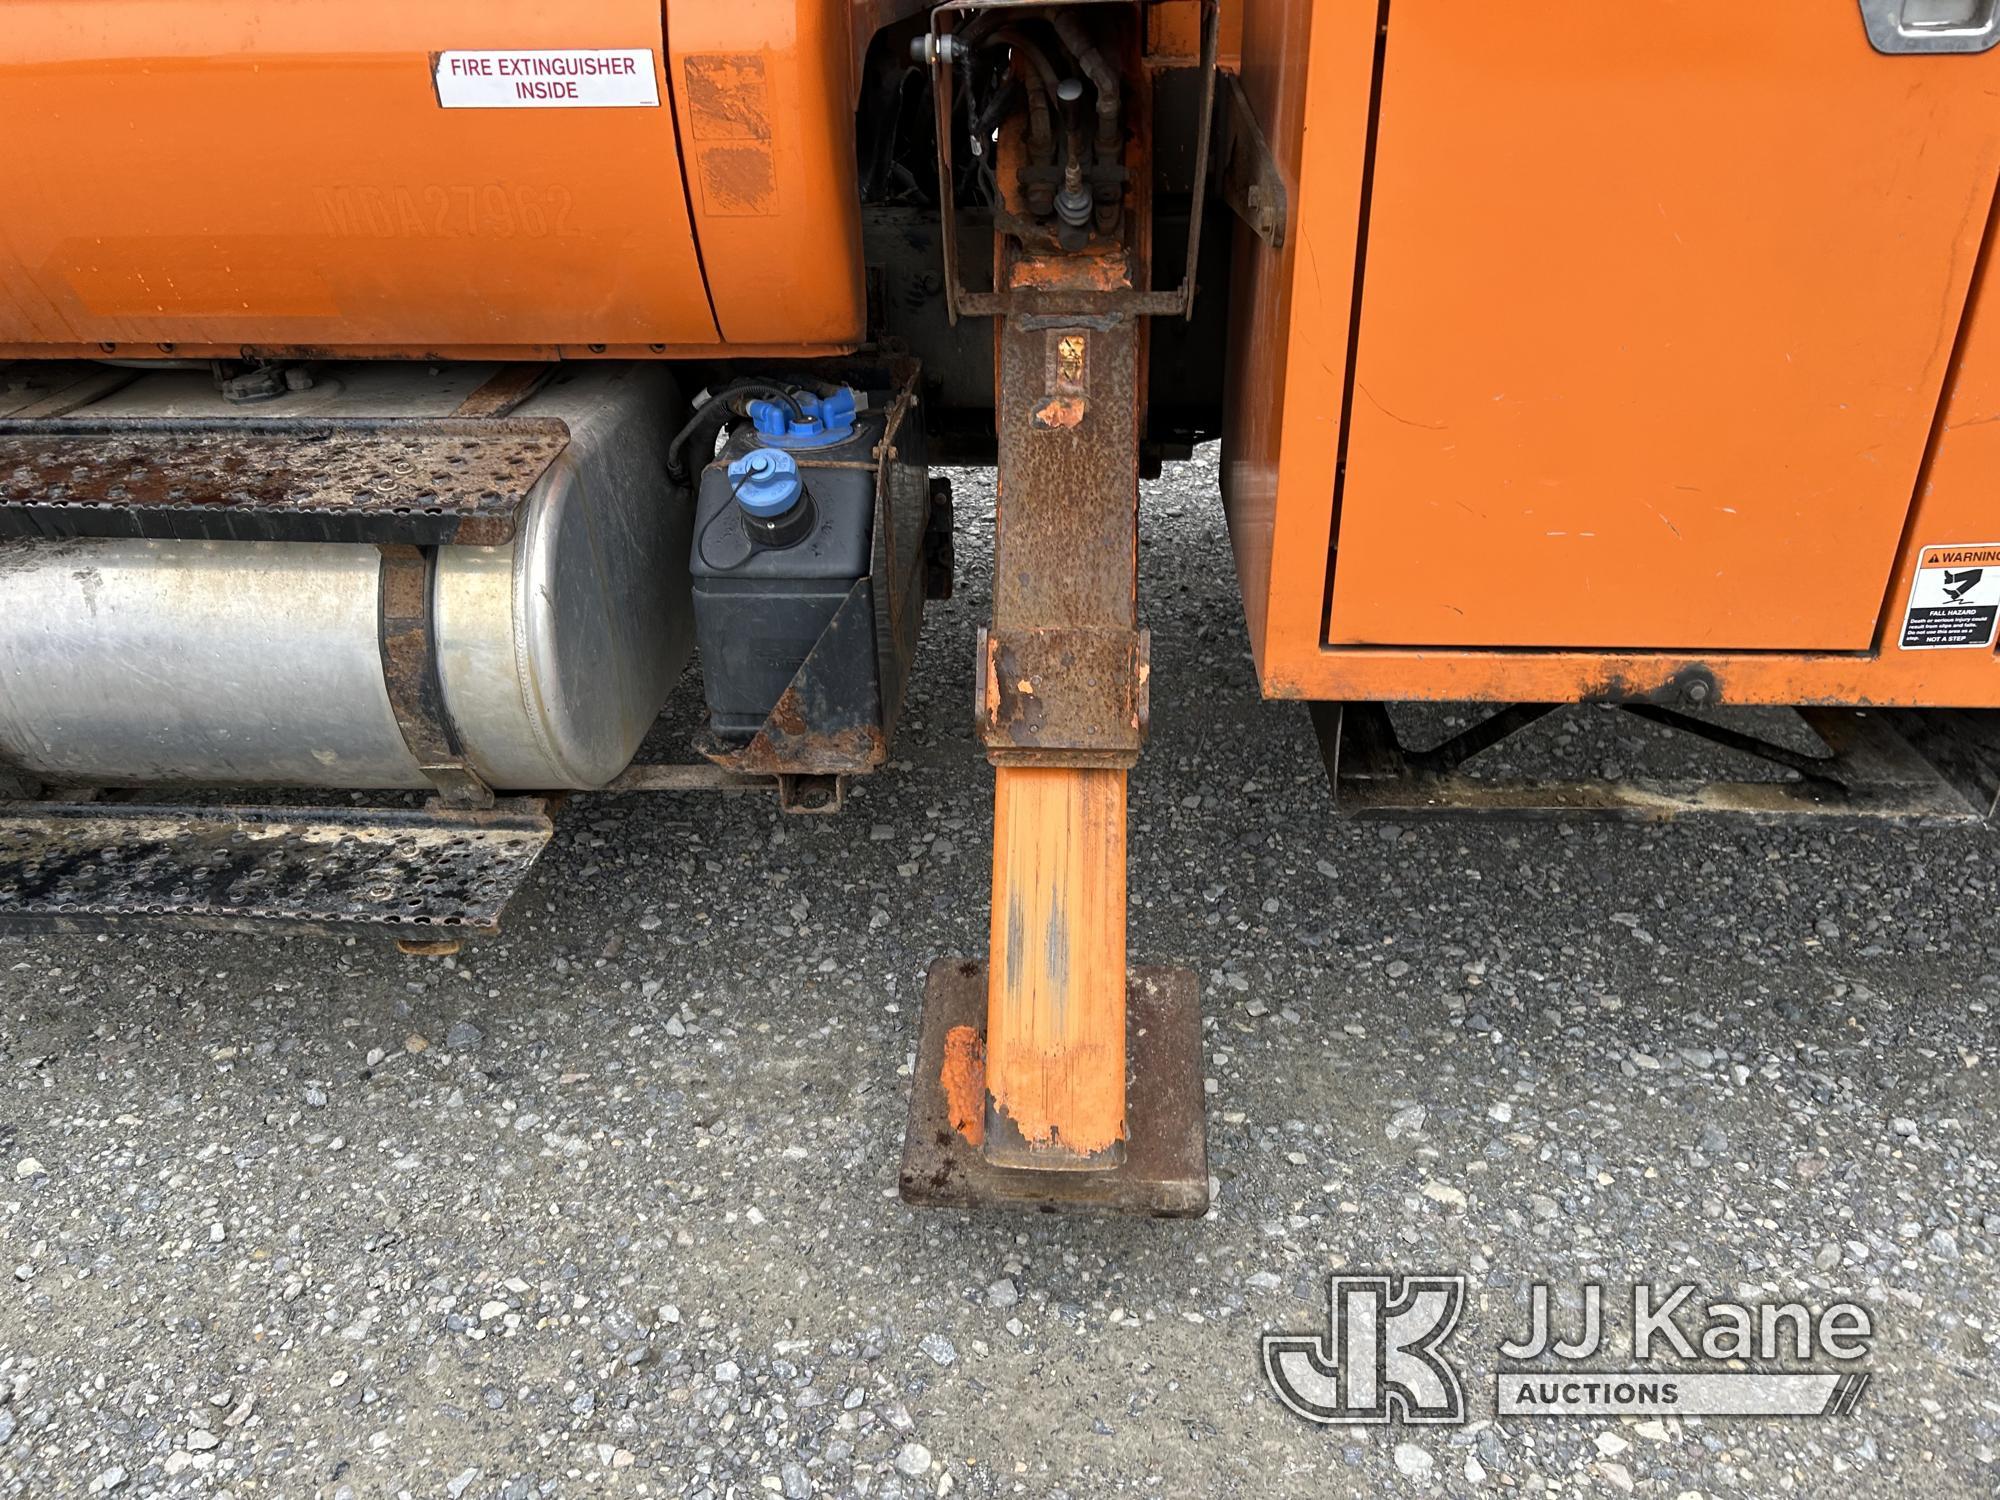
[192, 178]
[1595, 354]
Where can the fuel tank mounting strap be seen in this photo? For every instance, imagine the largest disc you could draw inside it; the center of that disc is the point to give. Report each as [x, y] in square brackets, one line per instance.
[15, 782]
[410, 672]
[505, 390]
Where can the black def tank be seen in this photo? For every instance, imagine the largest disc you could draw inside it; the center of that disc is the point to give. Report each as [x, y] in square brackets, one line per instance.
[779, 542]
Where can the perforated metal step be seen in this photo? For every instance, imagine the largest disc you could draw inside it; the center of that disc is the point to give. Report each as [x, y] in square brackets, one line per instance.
[409, 873]
[424, 481]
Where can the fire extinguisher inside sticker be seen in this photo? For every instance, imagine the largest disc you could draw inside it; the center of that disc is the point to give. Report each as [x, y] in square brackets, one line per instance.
[1956, 598]
[569, 78]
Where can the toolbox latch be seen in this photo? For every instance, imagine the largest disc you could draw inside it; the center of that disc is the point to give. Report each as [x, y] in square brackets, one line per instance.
[1913, 27]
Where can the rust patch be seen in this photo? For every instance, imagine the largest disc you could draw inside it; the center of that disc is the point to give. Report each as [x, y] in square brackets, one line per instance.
[788, 719]
[963, 1079]
[788, 745]
[1162, 1166]
[1694, 685]
[728, 97]
[1064, 412]
[1078, 691]
[1106, 271]
[506, 389]
[408, 640]
[739, 181]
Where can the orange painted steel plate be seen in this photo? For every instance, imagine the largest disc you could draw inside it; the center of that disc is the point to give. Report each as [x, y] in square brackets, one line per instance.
[1654, 319]
[1165, 1171]
[1055, 1033]
[1288, 320]
[764, 99]
[219, 172]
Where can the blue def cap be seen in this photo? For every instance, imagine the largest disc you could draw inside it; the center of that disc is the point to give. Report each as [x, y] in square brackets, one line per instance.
[820, 419]
[765, 482]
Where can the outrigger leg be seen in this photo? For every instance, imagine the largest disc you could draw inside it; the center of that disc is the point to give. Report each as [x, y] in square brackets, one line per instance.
[1052, 1076]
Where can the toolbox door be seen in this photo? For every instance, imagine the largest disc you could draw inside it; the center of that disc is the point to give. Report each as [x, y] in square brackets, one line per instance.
[1655, 304]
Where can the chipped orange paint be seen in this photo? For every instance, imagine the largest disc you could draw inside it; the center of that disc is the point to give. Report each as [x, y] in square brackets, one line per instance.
[1105, 271]
[991, 697]
[1055, 1025]
[963, 1079]
[1061, 411]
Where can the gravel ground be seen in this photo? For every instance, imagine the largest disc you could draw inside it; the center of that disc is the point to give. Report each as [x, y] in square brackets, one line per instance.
[607, 1205]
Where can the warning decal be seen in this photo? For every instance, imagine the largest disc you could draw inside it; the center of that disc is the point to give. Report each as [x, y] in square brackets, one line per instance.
[1956, 598]
[581, 78]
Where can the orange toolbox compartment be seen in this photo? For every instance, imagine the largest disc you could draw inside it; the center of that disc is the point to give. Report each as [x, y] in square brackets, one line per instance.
[1614, 348]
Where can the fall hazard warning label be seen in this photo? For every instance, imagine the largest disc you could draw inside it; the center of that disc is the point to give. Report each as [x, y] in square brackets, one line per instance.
[568, 78]
[1956, 598]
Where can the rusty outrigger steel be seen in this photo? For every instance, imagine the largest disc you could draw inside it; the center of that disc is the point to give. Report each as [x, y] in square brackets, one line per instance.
[359, 517]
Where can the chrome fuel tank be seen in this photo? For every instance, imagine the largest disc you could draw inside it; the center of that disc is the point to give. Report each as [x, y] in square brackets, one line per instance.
[245, 663]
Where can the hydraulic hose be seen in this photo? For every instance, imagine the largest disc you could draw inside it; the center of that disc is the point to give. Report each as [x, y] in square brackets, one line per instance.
[1110, 134]
[1042, 82]
[711, 413]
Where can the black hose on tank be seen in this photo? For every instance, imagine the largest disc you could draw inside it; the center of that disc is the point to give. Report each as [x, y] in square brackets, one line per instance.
[711, 413]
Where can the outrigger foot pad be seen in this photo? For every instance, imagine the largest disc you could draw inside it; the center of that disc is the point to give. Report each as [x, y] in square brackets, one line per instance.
[1165, 1170]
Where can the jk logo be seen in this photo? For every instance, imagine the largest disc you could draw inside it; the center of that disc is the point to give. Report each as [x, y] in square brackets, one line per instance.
[1378, 1362]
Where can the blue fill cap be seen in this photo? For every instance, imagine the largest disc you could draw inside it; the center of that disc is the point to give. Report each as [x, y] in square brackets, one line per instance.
[821, 419]
[765, 482]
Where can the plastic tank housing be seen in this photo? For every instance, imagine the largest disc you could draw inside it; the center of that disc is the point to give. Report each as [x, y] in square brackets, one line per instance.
[245, 663]
[779, 542]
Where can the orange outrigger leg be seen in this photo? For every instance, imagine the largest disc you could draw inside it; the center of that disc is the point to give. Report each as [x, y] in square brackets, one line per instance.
[1053, 1075]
